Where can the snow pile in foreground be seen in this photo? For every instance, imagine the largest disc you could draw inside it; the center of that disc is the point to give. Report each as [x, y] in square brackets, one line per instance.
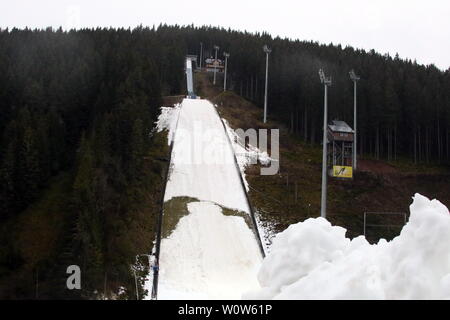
[209, 255]
[314, 260]
[167, 120]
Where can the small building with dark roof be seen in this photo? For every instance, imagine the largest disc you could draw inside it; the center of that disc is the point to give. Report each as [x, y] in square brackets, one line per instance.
[340, 138]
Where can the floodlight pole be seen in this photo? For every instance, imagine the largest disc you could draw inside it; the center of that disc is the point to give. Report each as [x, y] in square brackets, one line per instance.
[225, 76]
[201, 54]
[267, 51]
[354, 125]
[326, 82]
[354, 78]
[215, 64]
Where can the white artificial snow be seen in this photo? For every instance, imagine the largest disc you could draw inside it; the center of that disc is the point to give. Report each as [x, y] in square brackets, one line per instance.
[202, 164]
[167, 120]
[208, 256]
[314, 260]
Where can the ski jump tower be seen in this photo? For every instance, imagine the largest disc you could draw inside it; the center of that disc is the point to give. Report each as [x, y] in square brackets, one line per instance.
[190, 76]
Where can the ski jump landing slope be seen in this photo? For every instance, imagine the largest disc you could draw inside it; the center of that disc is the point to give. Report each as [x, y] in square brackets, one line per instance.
[208, 254]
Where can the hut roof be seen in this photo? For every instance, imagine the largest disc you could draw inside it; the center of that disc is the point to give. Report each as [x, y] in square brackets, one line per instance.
[340, 126]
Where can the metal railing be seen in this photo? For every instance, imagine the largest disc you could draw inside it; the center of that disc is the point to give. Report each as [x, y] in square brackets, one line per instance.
[405, 217]
[252, 212]
[155, 269]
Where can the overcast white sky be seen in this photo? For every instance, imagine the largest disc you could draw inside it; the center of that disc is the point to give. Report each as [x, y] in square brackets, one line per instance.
[415, 29]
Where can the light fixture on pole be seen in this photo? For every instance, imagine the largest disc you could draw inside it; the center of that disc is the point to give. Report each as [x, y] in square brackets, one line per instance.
[226, 55]
[355, 79]
[215, 64]
[326, 81]
[267, 50]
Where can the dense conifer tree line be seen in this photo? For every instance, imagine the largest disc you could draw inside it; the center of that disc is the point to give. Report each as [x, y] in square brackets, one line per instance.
[83, 102]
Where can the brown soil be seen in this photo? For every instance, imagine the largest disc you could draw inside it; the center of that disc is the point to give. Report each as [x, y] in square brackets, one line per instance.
[376, 166]
[171, 100]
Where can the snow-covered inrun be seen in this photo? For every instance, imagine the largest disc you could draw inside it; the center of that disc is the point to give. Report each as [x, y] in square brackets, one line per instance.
[314, 260]
[203, 165]
[208, 255]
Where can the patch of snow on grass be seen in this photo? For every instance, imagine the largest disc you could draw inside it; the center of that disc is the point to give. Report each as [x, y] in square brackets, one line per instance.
[167, 120]
[266, 231]
[245, 156]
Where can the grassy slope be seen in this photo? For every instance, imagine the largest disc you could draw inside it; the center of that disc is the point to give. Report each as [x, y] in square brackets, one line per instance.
[380, 187]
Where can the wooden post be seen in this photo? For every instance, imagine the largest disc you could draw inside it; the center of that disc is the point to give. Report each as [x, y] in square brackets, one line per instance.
[251, 88]
[104, 286]
[37, 283]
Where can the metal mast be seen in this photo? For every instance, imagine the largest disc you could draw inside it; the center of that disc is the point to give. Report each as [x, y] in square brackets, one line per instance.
[326, 81]
[227, 55]
[355, 79]
[201, 54]
[215, 64]
[267, 50]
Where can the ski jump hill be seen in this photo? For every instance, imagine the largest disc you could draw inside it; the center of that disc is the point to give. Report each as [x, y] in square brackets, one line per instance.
[209, 246]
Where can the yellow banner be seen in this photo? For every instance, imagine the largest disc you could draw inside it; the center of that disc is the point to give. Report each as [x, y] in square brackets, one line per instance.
[342, 172]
